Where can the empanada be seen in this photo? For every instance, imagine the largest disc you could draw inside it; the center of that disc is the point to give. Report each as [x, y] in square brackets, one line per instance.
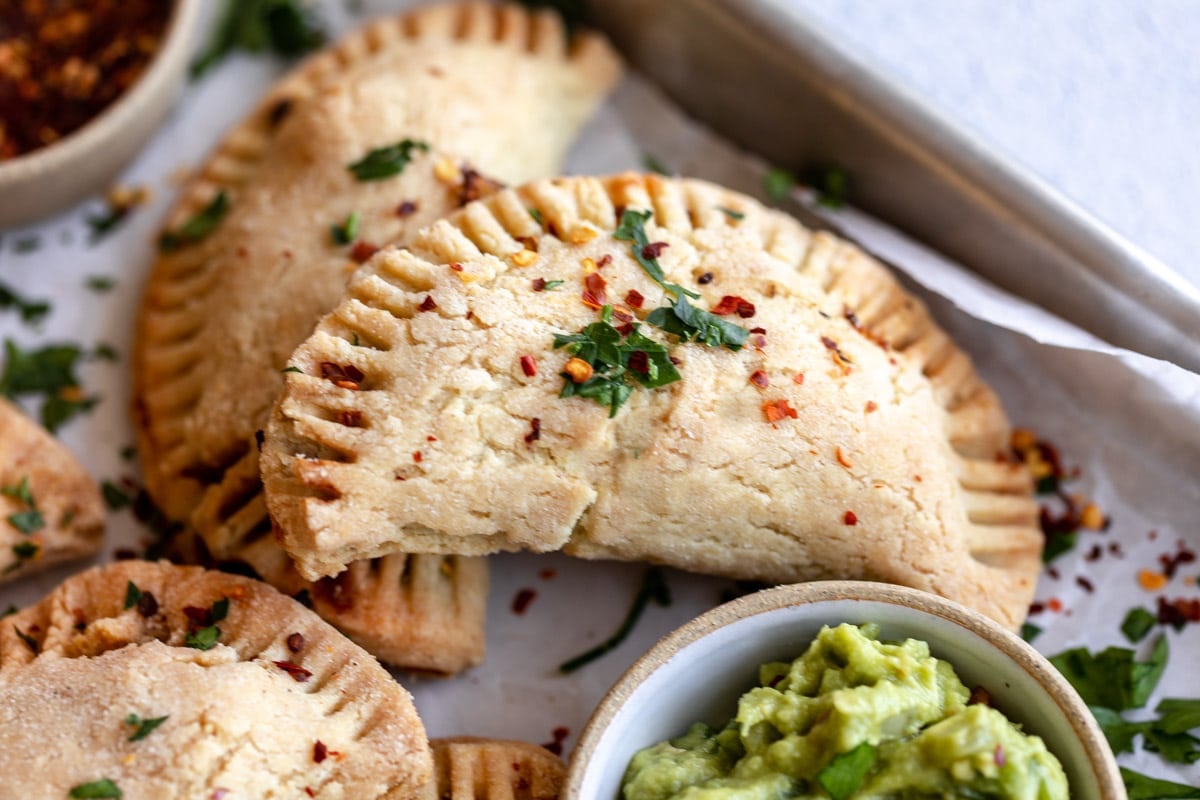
[397, 125]
[50, 508]
[175, 682]
[848, 437]
[468, 768]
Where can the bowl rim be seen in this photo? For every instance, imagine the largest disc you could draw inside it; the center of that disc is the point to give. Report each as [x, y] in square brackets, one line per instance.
[158, 77]
[1069, 704]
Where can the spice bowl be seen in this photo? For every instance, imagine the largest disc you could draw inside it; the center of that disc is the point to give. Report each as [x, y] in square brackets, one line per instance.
[698, 672]
[84, 162]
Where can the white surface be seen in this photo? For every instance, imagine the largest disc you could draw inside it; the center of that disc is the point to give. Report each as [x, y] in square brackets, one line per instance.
[1101, 98]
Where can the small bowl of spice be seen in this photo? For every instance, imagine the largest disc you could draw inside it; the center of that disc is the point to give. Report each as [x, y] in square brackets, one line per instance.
[83, 85]
[845, 690]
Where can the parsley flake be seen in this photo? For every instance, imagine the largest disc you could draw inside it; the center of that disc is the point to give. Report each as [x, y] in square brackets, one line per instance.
[29, 641]
[284, 27]
[204, 638]
[654, 165]
[31, 311]
[292, 369]
[1113, 678]
[536, 215]
[27, 522]
[199, 226]
[347, 232]
[143, 727]
[103, 788]
[20, 491]
[115, 497]
[778, 184]
[615, 358]
[1143, 787]
[48, 371]
[736, 216]
[1029, 631]
[99, 283]
[1137, 624]
[832, 185]
[654, 587]
[844, 773]
[104, 223]
[384, 162]
[132, 595]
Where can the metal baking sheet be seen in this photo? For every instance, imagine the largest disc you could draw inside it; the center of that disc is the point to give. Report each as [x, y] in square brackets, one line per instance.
[764, 75]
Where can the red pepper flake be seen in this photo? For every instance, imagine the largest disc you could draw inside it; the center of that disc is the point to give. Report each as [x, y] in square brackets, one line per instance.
[776, 410]
[362, 251]
[1052, 571]
[1179, 612]
[760, 379]
[219, 794]
[1171, 562]
[578, 370]
[535, 430]
[639, 362]
[604, 261]
[1115, 550]
[852, 318]
[634, 299]
[198, 617]
[842, 458]
[529, 366]
[344, 376]
[560, 735]
[850, 518]
[979, 697]
[431, 438]
[759, 341]
[1054, 604]
[417, 456]
[654, 250]
[759, 330]
[1036, 608]
[732, 304]
[521, 601]
[428, 304]
[147, 605]
[308, 791]
[406, 209]
[594, 294]
[798, 379]
[548, 574]
[705, 279]
[871, 406]
[320, 751]
[298, 673]
[539, 284]
[295, 642]
[350, 418]
[475, 186]
[1085, 584]
[456, 267]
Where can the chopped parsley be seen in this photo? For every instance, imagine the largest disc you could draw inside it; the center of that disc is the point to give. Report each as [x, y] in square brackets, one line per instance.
[1143, 787]
[106, 222]
[105, 352]
[347, 232]
[1029, 631]
[27, 244]
[1137, 624]
[832, 185]
[28, 521]
[205, 638]
[24, 553]
[384, 162]
[132, 595]
[778, 184]
[1113, 678]
[292, 369]
[8, 612]
[115, 497]
[844, 773]
[29, 641]
[204, 222]
[736, 216]
[99, 283]
[101, 788]
[1059, 544]
[654, 587]
[20, 491]
[49, 371]
[682, 318]
[284, 27]
[616, 358]
[654, 165]
[143, 727]
[31, 311]
[536, 215]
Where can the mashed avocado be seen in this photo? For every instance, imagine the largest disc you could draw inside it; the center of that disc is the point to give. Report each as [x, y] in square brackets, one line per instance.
[852, 718]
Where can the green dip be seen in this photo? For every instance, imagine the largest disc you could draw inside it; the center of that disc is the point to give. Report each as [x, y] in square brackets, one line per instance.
[852, 718]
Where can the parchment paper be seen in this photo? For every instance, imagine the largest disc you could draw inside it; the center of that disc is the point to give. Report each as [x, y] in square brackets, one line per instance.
[1131, 423]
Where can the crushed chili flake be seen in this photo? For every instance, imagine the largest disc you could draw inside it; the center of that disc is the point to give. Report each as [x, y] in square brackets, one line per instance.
[760, 379]
[1036, 608]
[456, 267]
[523, 258]
[850, 518]
[428, 304]
[309, 791]
[852, 318]
[1085, 584]
[871, 406]
[639, 362]
[522, 600]
[1150, 580]
[407, 209]
[535, 430]
[595, 294]
[417, 457]
[1178, 612]
[798, 378]
[979, 697]
[1172, 561]
[147, 605]
[578, 370]
[298, 673]
[560, 735]
[654, 250]
[1052, 571]
[1054, 604]
[776, 410]
[362, 251]
[548, 574]
[320, 751]
[705, 279]
[295, 642]
[350, 418]
[219, 794]
[529, 366]
[474, 186]
[732, 304]
[539, 284]
[634, 298]
[344, 376]
[1094, 553]
[604, 261]
[842, 458]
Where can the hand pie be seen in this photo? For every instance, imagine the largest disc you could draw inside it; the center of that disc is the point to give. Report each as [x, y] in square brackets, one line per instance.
[174, 682]
[400, 123]
[466, 768]
[50, 508]
[846, 438]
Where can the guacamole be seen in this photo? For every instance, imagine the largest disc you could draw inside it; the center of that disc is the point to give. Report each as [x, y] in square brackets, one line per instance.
[852, 718]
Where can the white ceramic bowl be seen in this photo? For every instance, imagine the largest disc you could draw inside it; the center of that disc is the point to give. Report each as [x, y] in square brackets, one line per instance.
[85, 162]
[698, 672]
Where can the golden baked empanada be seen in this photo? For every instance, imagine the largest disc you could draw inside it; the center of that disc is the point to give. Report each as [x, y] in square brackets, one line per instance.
[469, 768]
[395, 126]
[50, 508]
[846, 437]
[175, 682]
